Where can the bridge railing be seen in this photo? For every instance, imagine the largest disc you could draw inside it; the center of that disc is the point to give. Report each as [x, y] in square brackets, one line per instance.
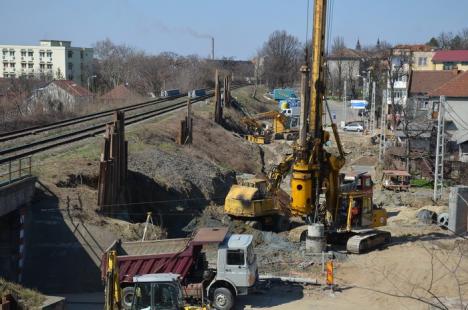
[15, 170]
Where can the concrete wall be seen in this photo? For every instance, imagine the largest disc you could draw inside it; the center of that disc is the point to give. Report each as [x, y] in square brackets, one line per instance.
[15, 195]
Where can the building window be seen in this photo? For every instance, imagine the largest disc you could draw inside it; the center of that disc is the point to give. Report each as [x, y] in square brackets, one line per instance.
[422, 61]
[12, 53]
[41, 54]
[70, 66]
[23, 66]
[41, 66]
[30, 54]
[12, 64]
[70, 77]
[448, 65]
[30, 65]
[5, 53]
[81, 54]
[6, 75]
[23, 53]
[70, 54]
[49, 54]
[49, 66]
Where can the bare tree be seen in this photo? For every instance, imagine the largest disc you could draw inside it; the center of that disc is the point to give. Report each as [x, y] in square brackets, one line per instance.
[281, 55]
[337, 72]
[413, 127]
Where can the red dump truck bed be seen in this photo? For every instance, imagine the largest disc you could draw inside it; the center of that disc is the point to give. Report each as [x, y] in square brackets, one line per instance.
[161, 256]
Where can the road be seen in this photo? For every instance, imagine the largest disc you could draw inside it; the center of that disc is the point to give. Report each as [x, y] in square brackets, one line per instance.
[337, 109]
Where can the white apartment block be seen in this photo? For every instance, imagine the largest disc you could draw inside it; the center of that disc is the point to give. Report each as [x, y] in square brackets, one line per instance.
[51, 60]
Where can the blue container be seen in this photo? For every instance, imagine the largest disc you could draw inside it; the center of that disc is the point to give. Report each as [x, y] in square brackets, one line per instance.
[283, 93]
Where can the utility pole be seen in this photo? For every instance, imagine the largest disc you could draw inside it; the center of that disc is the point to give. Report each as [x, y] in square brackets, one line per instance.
[344, 103]
[383, 126]
[440, 150]
[372, 112]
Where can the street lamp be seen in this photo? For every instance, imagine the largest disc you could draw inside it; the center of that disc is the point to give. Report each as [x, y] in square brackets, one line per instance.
[90, 77]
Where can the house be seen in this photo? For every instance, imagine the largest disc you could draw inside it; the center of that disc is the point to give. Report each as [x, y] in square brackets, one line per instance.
[402, 61]
[60, 95]
[449, 60]
[421, 83]
[344, 65]
[456, 111]
[121, 93]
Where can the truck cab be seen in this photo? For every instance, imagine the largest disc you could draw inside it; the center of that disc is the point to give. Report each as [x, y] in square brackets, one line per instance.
[236, 271]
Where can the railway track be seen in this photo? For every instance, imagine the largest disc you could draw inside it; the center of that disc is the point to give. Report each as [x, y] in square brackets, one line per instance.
[11, 135]
[46, 143]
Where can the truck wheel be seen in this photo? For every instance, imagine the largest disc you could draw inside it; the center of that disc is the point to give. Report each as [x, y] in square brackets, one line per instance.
[127, 297]
[223, 299]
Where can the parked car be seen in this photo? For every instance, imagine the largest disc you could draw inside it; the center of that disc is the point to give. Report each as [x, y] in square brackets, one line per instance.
[353, 127]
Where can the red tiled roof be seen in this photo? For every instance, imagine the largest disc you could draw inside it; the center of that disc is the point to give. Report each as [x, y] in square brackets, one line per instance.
[72, 88]
[450, 56]
[423, 82]
[346, 53]
[414, 47]
[120, 92]
[456, 87]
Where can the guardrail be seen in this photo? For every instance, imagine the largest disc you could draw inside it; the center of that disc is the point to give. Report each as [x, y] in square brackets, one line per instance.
[15, 170]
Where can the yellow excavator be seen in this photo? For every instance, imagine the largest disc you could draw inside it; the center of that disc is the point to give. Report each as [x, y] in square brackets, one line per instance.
[260, 201]
[282, 127]
[319, 193]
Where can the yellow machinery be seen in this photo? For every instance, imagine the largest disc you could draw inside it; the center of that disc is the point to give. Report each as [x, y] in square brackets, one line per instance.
[283, 127]
[259, 201]
[347, 212]
[316, 172]
[257, 132]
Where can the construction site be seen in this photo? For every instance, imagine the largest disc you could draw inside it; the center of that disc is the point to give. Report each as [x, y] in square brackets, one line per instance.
[241, 193]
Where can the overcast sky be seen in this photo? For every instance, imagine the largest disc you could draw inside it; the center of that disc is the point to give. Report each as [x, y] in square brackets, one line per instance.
[239, 26]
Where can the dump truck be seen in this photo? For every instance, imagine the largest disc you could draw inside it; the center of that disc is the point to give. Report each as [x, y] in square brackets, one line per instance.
[212, 266]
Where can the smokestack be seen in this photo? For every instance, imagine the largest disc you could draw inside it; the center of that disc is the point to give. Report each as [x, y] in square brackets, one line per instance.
[212, 48]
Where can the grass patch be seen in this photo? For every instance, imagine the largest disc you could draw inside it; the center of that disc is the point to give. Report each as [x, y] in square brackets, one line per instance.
[421, 183]
[167, 147]
[254, 105]
[29, 299]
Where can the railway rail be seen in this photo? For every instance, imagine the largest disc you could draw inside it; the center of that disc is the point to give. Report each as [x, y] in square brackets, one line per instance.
[37, 146]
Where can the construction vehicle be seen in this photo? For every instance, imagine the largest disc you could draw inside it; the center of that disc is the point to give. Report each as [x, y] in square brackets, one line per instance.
[258, 202]
[151, 291]
[212, 267]
[258, 133]
[316, 172]
[319, 192]
[282, 127]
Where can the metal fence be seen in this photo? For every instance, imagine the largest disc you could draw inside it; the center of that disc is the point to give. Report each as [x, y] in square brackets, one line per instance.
[15, 170]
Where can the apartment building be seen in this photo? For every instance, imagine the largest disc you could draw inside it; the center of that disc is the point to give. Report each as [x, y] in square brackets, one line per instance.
[406, 58]
[50, 60]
